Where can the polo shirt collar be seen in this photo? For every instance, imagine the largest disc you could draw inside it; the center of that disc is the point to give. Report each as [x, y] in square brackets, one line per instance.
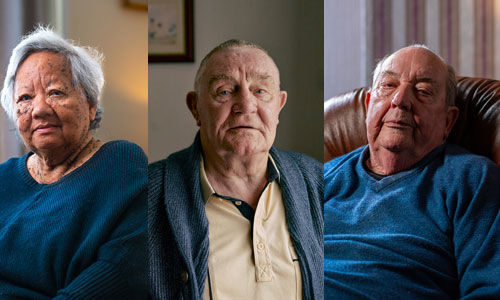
[207, 189]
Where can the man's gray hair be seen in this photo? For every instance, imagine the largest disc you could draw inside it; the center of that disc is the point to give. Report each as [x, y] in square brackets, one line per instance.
[229, 44]
[86, 71]
[451, 79]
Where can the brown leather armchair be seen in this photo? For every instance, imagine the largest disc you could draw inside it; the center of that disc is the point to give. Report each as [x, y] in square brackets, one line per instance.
[477, 128]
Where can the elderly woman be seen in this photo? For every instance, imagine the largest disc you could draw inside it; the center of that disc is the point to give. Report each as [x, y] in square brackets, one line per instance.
[73, 209]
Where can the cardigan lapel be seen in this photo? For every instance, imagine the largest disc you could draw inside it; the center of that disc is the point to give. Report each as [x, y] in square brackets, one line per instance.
[300, 224]
[186, 211]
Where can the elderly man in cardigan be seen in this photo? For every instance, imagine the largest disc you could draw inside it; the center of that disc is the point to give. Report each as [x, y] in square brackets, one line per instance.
[232, 217]
[410, 216]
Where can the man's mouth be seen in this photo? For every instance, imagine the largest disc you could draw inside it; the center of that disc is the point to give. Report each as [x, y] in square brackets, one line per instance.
[242, 127]
[397, 124]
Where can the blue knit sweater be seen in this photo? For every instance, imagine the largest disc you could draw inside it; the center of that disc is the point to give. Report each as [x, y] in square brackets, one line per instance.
[431, 232]
[178, 226]
[82, 237]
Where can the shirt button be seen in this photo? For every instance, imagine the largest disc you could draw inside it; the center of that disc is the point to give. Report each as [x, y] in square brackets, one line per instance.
[184, 277]
[260, 246]
[237, 203]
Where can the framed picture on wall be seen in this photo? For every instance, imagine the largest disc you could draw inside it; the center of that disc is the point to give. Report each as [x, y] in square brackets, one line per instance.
[139, 4]
[170, 31]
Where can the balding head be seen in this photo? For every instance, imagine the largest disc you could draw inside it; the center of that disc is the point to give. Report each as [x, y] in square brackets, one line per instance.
[451, 80]
[227, 45]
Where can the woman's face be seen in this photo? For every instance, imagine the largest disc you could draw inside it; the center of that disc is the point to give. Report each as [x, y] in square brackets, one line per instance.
[52, 115]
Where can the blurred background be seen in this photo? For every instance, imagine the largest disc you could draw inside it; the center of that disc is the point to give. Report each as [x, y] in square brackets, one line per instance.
[291, 31]
[117, 30]
[358, 33]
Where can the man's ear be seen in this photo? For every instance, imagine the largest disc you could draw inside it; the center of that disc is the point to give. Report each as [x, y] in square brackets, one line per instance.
[451, 118]
[192, 104]
[283, 96]
[367, 99]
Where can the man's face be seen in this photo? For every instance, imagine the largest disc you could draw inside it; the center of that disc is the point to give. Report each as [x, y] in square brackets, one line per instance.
[406, 109]
[239, 102]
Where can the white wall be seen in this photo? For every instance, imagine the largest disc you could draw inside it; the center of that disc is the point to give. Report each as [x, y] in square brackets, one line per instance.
[292, 32]
[342, 46]
[121, 34]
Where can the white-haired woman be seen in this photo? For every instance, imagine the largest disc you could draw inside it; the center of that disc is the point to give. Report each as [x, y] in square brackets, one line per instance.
[73, 209]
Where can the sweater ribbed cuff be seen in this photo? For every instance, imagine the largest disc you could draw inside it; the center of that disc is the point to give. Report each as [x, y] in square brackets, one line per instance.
[102, 280]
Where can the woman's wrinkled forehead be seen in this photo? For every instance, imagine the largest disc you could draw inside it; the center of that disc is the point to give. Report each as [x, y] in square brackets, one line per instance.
[48, 62]
[43, 66]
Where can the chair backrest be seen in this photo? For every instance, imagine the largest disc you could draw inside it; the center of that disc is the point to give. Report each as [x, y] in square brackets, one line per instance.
[477, 128]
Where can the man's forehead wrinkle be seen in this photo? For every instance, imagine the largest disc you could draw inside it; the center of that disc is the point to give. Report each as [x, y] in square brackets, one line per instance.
[248, 74]
[240, 62]
[417, 78]
[414, 69]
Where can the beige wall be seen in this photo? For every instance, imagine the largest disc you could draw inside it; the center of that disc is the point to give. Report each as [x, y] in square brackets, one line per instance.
[10, 32]
[121, 34]
[292, 32]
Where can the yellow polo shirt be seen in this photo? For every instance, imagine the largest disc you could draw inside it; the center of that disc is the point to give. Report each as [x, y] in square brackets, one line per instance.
[251, 253]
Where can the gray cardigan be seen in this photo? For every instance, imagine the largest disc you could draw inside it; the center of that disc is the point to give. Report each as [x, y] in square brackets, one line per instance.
[178, 225]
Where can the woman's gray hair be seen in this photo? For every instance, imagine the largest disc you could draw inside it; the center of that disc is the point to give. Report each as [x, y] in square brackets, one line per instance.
[85, 63]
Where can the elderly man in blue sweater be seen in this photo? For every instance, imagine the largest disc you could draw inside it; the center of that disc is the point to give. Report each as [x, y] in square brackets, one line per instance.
[410, 216]
[232, 217]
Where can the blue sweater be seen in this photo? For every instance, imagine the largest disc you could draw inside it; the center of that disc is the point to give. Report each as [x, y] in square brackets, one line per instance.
[431, 232]
[82, 237]
[178, 225]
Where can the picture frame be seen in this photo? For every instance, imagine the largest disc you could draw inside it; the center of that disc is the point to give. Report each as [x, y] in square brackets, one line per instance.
[136, 4]
[170, 31]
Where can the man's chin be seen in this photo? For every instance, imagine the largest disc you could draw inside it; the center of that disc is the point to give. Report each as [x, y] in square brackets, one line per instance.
[395, 142]
[246, 147]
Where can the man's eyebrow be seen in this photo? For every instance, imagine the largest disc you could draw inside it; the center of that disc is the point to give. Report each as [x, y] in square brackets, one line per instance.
[388, 72]
[218, 77]
[261, 76]
[426, 79]
[418, 79]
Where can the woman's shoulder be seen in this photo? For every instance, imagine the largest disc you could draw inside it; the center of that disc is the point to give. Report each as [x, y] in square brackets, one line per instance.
[13, 166]
[115, 158]
[123, 150]
[8, 167]
[118, 168]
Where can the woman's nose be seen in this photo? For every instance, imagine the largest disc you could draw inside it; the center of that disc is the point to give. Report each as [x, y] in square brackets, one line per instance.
[41, 107]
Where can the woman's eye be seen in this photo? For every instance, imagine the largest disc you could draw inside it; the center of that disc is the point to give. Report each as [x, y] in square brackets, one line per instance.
[24, 98]
[224, 93]
[55, 93]
[260, 91]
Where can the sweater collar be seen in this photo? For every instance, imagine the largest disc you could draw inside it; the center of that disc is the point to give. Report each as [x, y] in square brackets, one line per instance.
[386, 180]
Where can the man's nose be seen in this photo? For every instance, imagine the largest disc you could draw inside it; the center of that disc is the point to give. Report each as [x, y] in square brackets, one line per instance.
[41, 107]
[245, 102]
[402, 98]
